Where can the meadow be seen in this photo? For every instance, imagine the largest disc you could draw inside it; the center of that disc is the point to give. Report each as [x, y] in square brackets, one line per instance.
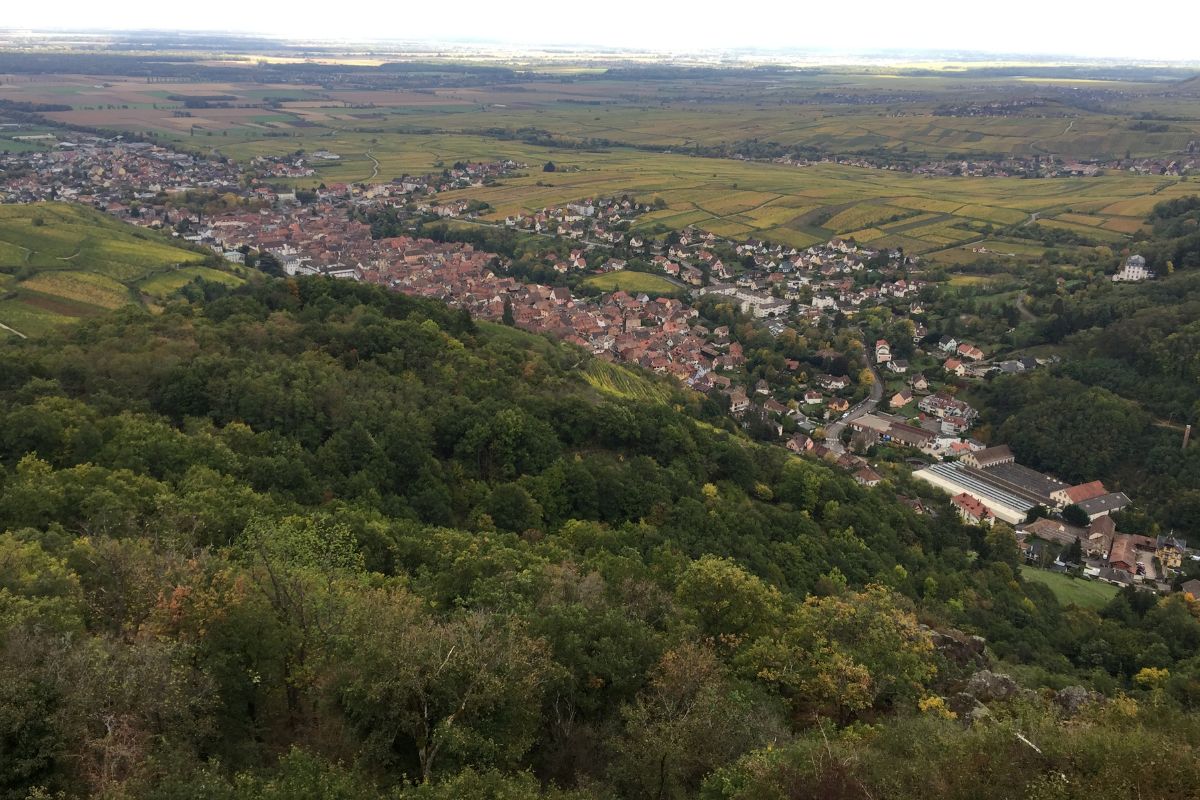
[60, 263]
[1078, 591]
[632, 282]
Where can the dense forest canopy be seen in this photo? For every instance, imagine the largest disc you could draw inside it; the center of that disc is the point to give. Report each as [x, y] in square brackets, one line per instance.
[306, 538]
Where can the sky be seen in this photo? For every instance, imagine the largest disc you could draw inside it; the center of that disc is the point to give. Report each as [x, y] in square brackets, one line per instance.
[1149, 30]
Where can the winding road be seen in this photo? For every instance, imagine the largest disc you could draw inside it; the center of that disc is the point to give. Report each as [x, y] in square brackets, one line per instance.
[374, 165]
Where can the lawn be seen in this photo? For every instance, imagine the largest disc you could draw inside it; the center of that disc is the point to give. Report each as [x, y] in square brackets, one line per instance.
[634, 282]
[1078, 591]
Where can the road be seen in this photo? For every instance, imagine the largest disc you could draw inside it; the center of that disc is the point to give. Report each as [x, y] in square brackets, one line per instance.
[865, 406]
[374, 167]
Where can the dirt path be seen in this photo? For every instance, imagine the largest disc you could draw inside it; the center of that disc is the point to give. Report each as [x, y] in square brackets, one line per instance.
[13, 331]
[374, 167]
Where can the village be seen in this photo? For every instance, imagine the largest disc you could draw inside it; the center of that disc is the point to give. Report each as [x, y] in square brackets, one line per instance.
[824, 402]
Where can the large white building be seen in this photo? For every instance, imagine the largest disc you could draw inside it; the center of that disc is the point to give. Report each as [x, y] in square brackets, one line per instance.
[1134, 270]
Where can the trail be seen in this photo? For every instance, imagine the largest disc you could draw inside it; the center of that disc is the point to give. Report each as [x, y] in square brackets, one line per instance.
[1023, 310]
[375, 167]
[1068, 130]
[13, 331]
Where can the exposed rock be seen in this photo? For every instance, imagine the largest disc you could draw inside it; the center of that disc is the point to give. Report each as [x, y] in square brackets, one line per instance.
[959, 648]
[1072, 699]
[968, 710]
[987, 686]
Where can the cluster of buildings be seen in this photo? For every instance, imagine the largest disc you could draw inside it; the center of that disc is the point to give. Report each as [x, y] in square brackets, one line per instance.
[585, 220]
[1104, 552]
[109, 173]
[1010, 491]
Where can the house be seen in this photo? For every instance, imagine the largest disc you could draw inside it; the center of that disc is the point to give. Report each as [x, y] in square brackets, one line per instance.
[1123, 555]
[738, 401]
[867, 477]
[762, 387]
[1054, 531]
[834, 383]
[898, 366]
[839, 405]
[813, 397]
[1133, 270]
[918, 383]
[799, 443]
[972, 511]
[1169, 551]
[970, 351]
[1077, 494]
[989, 457]
[901, 399]
[883, 351]
[1192, 587]
[955, 367]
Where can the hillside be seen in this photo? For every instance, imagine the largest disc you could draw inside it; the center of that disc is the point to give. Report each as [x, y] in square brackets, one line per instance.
[61, 262]
[311, 539]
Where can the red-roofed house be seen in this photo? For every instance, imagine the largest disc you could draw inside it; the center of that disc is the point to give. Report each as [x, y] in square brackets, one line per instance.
[972, 511]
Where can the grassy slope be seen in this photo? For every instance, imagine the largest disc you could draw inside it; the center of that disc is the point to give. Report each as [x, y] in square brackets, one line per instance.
[79, 262]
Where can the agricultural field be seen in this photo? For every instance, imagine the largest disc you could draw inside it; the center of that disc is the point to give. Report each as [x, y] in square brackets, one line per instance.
[632, 282]
[609, 136]
[59, 263]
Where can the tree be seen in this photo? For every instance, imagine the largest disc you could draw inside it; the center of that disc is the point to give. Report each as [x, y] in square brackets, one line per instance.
[668, 744]
[846, 653]
[507, 317]
[468, 685]
[549, 167]
[731, 603]
[1075, 515]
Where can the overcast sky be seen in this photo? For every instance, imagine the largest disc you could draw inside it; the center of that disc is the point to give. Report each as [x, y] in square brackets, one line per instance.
[1149, 30]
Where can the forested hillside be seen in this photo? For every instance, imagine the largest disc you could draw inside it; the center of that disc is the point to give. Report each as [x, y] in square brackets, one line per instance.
[308, 539]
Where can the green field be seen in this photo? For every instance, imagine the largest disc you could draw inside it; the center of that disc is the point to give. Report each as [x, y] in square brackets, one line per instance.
[632, 282]
[63, 262]
[1078, 591]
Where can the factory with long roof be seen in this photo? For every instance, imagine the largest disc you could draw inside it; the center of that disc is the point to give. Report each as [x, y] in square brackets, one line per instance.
[1010, 491]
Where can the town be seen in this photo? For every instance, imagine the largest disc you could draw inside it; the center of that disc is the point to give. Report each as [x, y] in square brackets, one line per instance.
[823, 401]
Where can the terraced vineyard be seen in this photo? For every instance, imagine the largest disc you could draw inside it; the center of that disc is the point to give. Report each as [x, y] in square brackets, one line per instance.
[60, 263]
